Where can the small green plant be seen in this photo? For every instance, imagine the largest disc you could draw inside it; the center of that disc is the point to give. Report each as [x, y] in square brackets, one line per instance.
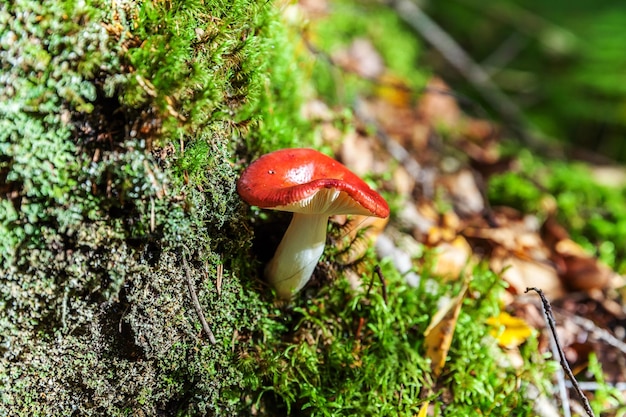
[605, 398]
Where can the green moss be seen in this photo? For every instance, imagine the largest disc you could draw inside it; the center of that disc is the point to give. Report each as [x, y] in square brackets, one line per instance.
[124, 125]
[605, 396]
[215, 68]
[120, 124]
[353, 353]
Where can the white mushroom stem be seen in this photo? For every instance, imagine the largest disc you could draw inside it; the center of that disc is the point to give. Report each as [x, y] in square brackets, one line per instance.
[297, 254]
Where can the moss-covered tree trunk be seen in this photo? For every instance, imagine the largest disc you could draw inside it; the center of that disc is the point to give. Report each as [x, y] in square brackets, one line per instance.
[121, 125]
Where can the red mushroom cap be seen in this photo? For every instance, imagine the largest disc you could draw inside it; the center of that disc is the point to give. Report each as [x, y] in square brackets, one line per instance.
[307, 181]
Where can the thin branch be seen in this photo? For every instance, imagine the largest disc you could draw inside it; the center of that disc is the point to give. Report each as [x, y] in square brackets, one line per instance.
[594, 386]
[195, 302]
[552, 324]
[462, 62]
[560, 376]
[383, 283]
[508, 50]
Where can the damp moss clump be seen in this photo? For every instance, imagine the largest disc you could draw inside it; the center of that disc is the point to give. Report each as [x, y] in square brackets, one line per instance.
[120, 127]
[345, 352]
[123, 125]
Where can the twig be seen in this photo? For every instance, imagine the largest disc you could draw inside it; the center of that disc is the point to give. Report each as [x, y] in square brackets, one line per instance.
[459, 59]
[594, 386]
[504, 53]
[552, 324]
[195, 302]
[560, 377]
[220, 276]
[382, 282]
[359, 328]
[379, 273]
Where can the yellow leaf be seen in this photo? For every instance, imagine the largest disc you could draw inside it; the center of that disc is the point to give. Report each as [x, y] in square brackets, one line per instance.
[424, 410]
[508, 330]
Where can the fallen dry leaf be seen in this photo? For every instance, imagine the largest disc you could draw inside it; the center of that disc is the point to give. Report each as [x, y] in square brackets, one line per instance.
[609, 175]
[357, 153]
[438, 107]
[438, 335]
[439, 339]
[452, 257]
[523, 273]
[465, 192]
[578, 270]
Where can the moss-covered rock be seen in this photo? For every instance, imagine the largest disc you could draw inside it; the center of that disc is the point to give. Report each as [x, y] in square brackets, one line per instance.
[119, 125]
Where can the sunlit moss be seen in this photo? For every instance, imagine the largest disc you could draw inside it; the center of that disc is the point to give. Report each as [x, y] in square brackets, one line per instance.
[347, 352]
[120, 125]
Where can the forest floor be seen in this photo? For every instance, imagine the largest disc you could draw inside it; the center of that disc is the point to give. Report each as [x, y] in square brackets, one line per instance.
[469, 195]
[125, 130]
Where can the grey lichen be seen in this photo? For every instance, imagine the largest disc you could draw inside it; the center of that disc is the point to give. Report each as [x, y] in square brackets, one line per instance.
[119, 124]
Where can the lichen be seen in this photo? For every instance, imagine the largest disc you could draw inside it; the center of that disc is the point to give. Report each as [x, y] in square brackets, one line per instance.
[120, 122]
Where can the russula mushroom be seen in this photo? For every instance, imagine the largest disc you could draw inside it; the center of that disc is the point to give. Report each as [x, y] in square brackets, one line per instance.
[313, 186]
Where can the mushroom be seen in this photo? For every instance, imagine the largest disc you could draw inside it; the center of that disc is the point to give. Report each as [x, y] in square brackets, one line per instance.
[313, 186]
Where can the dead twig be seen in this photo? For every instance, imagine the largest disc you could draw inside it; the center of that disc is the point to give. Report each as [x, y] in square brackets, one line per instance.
[462, 62]
[379, 273]
[560, 377]
[220, 276]
[195, 302]
[359, 329]
[552, 324]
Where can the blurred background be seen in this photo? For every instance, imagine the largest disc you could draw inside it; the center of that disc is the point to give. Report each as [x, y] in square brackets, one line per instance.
[562, 62]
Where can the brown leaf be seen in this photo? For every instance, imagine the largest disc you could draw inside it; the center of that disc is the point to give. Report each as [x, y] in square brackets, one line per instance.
[357, 153]
[452, 257]
[523, 273]
[465, 192]
[579, 270]
[441, 330]
[584, 273]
